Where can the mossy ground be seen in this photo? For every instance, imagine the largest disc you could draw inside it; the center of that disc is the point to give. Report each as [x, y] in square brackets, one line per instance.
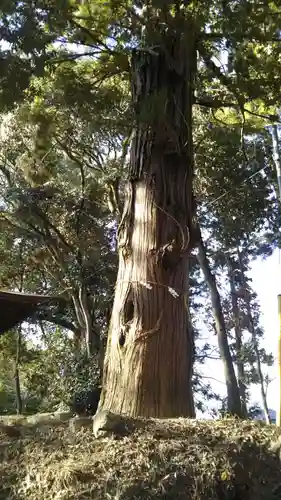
[161, 459]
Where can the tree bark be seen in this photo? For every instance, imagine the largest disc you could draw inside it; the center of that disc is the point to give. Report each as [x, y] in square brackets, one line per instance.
[254, 340]
[16, 374]
[86, 333]
[233, 396]
[238, 340]
[148, 361]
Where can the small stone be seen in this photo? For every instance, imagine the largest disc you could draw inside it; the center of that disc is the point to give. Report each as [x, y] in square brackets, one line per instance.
[106, 423]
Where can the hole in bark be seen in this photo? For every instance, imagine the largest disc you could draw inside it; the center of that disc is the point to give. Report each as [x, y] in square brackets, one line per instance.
[122, 338]
[128, 311]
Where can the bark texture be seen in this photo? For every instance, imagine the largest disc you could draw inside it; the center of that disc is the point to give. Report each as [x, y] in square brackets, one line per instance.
[233, 396]
[148, 362]
[16, 374]
[238, 340]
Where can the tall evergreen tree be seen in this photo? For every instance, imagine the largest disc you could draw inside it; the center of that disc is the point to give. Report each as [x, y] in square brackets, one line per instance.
[148, 365]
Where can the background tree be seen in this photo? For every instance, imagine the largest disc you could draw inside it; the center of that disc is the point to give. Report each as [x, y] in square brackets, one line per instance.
[251, 197]
[60, 217]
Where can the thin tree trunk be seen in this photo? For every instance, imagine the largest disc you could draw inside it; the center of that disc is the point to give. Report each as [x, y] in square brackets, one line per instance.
[87, 321]
[148, 362]
[233, 396]
[254, 340]
[238, 340]
[87, 333]
[16, 373]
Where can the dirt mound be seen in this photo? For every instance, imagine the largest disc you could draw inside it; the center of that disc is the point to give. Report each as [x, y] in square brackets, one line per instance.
[169, 459]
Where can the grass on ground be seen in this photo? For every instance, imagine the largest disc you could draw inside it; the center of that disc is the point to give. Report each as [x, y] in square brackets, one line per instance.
[161, 459]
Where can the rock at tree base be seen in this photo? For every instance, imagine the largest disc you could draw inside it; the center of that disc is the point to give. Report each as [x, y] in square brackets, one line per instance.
[106, 423]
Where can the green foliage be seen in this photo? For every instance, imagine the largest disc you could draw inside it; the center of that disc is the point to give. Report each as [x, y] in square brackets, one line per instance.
[234, 188]
[8, 351]
[51, 371]
[54, 218]
[58, 372]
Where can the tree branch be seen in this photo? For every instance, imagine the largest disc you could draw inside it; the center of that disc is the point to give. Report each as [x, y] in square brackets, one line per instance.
[93, 36]
[7, 174]
[72, 57]
[220, 36]
[216, 104]
[35, 233]
[207, 58]
[74, 158]
[57, 321]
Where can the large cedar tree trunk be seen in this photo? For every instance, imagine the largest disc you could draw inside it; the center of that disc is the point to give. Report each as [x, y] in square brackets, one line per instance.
[233, 396]
[148, 361]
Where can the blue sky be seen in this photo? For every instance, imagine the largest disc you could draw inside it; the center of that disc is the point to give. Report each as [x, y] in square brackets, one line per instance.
[267, 283]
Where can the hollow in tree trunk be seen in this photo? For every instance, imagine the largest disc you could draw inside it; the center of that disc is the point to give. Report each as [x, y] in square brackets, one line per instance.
[148, 361]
